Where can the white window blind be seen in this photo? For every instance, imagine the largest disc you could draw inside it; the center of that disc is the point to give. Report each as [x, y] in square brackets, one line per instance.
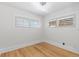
[68, 22]
[25, 22]
[52, 23]
[19, 22]
[63, 22]
[34, 23]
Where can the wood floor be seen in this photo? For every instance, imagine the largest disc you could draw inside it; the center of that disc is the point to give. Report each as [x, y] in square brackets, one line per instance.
[40, 50]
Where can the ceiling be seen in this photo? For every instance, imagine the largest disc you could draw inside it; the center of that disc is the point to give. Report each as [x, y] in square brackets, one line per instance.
[36, 8]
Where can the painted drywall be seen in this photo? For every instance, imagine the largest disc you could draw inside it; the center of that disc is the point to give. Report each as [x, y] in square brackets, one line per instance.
[59, 35]
[12, 37]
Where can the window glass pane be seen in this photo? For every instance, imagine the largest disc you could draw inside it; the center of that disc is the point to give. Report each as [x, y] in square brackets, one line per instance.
[66, 22]
[19, 22]
[52, 23]
[34, 23]
[26, 23]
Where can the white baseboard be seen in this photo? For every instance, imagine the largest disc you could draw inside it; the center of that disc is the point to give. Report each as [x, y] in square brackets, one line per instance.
[64, 47]
[11, 48]
[32, 43]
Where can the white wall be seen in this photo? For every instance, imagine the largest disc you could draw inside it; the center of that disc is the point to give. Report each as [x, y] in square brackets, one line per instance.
[68, 35]
[12, 37]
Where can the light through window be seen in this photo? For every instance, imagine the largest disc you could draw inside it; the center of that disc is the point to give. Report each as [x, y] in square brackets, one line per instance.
[24, 22]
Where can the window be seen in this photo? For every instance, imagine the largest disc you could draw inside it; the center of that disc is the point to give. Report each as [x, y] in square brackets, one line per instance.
[19, 22]
[34, 23]
[52, 23]
[25, 22]
[62, 22]
[66, 22]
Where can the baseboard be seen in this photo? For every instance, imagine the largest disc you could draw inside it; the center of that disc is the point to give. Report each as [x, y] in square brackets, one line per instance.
[64, 47]
[33, 43]
[11, 48]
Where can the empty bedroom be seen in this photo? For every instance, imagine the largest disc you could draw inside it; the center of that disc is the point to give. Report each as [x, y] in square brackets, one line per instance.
[39, 29]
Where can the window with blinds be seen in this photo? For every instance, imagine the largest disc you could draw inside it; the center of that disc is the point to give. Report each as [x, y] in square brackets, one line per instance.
[66, 22]
[52, 23]
[62, 22]
[25, 22]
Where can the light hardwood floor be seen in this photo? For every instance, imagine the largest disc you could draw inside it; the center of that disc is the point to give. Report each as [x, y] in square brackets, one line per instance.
[40, 50]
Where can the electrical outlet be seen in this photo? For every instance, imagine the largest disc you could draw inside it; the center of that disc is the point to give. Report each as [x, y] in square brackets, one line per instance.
[63, 43]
